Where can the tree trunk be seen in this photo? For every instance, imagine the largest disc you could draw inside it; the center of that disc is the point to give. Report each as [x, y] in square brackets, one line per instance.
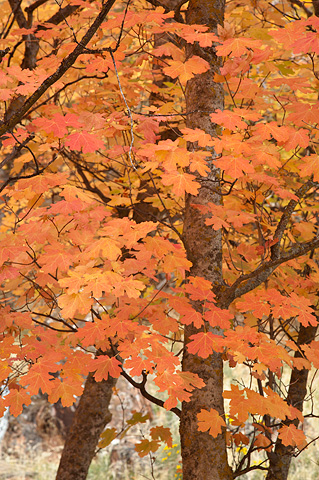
[204, 457]
[89, 421]
[280, 459]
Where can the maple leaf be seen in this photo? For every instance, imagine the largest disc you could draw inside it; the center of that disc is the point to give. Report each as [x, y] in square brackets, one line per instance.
[57, 124]
[286, 35]
[306, 314]
[291, 435]
[104, 247]
[200, 288]
[235, 166]
[38, 378]
[204, 344]
[228, 119]
[306, 43]
[210, 421]
[67, 391]
[205, 39]
[105, 366]
[168, 50]
[197, 135]
[312, 352]
[253, 303]
[176, 262]
[181, 183]
[217, 222]
[188, 314]
[138, 365]
[41, 183]
[137, 417]
[297, 138]
[217, 317]
[310, 167]
[241, 439]
[190, 380]
[163, 434]
[262, 442]
[93, 331]
[16, 398]
[145, 447]
[237, 46]
[74, 303]
[186, 70]
[198, 162]
[54, 259]
[84, 141]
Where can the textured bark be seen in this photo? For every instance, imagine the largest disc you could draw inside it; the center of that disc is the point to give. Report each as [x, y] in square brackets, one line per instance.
[89, 421]
[31, 49]
[204, 457]
[280, 459]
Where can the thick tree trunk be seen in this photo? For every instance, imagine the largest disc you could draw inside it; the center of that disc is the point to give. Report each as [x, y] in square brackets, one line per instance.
[89, 421]
[280, 459]
[204, 457]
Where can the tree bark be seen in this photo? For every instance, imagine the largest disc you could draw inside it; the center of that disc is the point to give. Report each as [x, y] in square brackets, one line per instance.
[204, 457]
[280, 459]
[89, 421]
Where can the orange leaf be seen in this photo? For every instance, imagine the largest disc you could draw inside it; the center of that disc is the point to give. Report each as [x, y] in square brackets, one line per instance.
[181, 183]
[15, 399]
[186, 70]
[204, 344]
[290, 435]
[210, 421]
[237, 46]
[74, 303]
[105, 366]
[66, 390]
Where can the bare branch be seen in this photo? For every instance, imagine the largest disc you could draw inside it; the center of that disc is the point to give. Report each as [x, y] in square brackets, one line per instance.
[250, 281]
[303, 6]
[288, 211]
[141, 387]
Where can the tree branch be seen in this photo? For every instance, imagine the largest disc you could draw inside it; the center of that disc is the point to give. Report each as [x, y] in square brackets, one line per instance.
[250, 281]
[141, 387]
[288, 211]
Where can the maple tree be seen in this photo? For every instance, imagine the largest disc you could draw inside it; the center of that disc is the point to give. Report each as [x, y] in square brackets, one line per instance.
[159, 219]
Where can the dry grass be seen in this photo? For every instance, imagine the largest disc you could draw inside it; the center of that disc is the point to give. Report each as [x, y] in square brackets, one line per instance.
[119, 461]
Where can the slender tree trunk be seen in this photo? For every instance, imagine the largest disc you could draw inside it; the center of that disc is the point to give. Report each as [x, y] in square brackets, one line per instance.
[280, 459]
[89, 421]
[204, 457]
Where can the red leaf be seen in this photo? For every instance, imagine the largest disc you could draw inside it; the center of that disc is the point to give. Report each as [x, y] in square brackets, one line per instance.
[84, 141]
